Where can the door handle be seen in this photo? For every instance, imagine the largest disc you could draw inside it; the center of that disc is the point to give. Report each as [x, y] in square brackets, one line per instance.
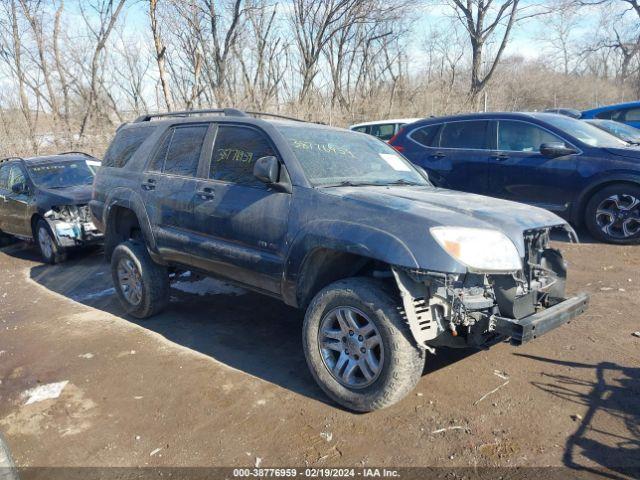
[150, 184]
[439, 155]
[207, 193]
[500, 156]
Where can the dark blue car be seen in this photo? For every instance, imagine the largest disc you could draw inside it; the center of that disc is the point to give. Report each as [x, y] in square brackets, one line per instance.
[628, 113]
[552, 161]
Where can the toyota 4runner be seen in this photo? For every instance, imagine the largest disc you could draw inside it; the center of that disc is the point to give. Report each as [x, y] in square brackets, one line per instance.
[337, 223]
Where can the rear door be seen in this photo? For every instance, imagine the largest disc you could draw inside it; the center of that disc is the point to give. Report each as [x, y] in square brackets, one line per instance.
[520, 172]
[169, 186]
[455, 154]
[242, 222]
[15, 206]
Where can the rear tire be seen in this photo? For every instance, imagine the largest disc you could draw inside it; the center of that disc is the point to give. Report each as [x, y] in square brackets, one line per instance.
[612, 214]
[397, 361]
[50, 251]
[141, 284]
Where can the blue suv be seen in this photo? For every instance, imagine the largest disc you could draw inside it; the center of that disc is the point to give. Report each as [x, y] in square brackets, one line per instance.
[628, 113]
[552, 161]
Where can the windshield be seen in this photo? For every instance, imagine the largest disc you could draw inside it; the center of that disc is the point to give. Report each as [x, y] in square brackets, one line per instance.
[61, 175]
[620, 130]
[584, 132]
[334, 157]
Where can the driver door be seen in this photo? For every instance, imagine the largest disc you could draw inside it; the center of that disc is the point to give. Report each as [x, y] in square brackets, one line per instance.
[241, 222]
[15, 206]
[519, 172]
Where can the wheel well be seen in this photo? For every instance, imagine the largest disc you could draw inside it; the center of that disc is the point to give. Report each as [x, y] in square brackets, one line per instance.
[35, 218]
[325, 266]
[122, 225]
[586, 197]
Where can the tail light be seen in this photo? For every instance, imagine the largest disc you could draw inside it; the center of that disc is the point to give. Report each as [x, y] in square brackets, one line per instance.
[393, 139]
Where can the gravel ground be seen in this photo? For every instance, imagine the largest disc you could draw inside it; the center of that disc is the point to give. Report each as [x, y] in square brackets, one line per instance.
[219, 379]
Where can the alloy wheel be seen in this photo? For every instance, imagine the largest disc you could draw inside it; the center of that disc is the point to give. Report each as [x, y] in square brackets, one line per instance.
[45, 242]
[130, 281]
[351, 347]
[618, 216]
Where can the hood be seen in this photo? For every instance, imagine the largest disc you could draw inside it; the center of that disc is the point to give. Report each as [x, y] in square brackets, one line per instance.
[76, 195]
[632, 153]
[434, 207]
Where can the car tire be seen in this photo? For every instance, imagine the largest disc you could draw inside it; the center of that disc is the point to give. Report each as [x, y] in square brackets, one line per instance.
[141, 284]
[50, 251]
[611, 206]
[399, 360]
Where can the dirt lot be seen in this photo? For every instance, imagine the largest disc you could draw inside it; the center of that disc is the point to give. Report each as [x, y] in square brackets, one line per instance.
[220, 380]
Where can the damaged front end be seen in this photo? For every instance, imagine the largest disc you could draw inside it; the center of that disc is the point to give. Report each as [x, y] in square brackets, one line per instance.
[72, 225]
[477, 309]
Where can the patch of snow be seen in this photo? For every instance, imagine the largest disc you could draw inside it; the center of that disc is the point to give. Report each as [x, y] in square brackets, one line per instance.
[44, 392]
[208, 286]
[86, 355]
[94, 295]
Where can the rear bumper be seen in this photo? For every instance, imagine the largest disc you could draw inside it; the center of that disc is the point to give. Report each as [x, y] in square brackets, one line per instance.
[533, 326]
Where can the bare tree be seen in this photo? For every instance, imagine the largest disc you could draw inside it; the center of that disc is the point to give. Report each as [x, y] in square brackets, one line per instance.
[107, 17]
[484, 20]
[160, 53]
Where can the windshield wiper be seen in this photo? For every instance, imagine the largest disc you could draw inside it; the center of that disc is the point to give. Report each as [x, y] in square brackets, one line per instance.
[350, 183]
[403, 182]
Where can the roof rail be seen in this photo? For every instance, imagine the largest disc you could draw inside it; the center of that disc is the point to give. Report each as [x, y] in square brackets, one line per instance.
[77, 153]
[228, 112]
[10, 158]
[274, 115]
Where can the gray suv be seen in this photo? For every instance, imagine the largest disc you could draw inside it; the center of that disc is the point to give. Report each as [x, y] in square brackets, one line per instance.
[334, 222]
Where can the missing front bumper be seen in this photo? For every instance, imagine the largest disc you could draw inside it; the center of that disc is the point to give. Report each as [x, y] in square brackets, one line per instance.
[533, 326]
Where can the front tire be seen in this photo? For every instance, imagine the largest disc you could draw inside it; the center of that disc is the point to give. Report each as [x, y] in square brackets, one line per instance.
[613, 214]
[141, 284]
[358, 346]
[50, 251]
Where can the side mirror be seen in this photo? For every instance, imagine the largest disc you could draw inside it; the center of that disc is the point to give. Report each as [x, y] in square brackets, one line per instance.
[556, 149]
[19, 188]
[267, 169]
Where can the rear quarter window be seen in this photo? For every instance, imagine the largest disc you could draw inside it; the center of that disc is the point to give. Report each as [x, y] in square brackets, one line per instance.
[125, 144]
[426, 136]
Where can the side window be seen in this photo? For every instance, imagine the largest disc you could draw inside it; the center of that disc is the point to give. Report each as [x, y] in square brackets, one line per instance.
[426, 136]
[360, 129]
[632, 115]
[523, 137]
[124, 145]
[16, 175]
[4, 176]
[235, 153]
[157, 163]
[471, 135]
[183, 150]
[383, 132]
[606, 115]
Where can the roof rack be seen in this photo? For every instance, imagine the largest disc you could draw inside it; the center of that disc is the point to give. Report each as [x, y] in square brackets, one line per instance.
[274, 115]
[10, 158]
[227, 112]
[73, 152]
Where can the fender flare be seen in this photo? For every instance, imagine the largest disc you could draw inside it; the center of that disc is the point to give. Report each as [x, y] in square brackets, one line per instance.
[127, 198]
[343, 237]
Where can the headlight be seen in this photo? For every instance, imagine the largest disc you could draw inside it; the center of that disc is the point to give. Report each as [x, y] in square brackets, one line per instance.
[481, 250]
